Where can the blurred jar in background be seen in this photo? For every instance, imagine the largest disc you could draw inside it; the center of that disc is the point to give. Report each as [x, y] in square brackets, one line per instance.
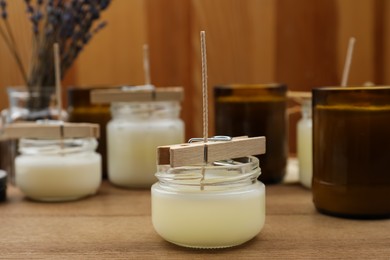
[81, 109]
[256, 110]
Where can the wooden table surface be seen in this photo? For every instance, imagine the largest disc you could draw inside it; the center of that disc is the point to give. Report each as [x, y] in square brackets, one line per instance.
[116, 223]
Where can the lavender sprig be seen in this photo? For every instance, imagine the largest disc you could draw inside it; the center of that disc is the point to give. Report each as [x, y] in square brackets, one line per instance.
[71, 23]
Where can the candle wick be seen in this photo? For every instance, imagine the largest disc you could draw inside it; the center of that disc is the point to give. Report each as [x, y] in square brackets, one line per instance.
[205, 100]
[147, 65]
[204, 85]
[348, 61]
[57, 72]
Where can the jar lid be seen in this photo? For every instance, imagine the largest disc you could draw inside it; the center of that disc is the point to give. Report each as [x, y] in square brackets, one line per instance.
[3, 185]
[50, 129]
[137, 93]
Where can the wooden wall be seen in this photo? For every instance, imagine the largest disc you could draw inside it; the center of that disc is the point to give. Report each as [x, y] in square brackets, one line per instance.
[301, 43]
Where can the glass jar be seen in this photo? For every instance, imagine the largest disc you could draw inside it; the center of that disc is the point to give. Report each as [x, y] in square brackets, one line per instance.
[214, 206]
[26, 105]
[351, 148]
[304, 144]
[58, 170]
[81, 110]
[133, 135]
[256, 110]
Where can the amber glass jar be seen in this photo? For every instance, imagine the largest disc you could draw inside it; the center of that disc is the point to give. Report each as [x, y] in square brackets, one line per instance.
[81, 110]
[351, 151]
[256, 110]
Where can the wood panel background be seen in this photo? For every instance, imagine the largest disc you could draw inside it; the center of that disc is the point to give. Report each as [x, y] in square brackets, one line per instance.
[301, 43]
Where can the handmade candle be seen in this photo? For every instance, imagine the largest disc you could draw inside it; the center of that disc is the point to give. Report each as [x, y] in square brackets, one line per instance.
[143, 117]
[351, 148]
[223, 207]
[256, 110]
[58, 170]
[134, 133]
[304, 145]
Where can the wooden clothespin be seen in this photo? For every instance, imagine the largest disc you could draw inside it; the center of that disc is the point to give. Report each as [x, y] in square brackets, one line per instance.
[213, 150]
[50, 130]
[137, 93]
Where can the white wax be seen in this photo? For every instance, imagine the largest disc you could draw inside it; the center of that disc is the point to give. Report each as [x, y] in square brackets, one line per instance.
[131, 149]
[208, 219]
[58, 177]
[304, 151]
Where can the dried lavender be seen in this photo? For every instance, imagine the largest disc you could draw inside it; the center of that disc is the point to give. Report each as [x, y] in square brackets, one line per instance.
[71, 23]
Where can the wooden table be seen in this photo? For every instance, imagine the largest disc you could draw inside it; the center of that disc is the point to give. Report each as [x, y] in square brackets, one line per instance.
[116, 223]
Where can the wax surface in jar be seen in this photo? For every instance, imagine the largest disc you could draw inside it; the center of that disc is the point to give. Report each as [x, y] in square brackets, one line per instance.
[304, 151]
[132, 149]
[206, 219]
[58, 177]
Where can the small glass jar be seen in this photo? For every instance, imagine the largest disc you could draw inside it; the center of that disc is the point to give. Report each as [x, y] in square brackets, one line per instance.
[26, 105]
[58, 170]
[256, 110]
[214, 206]
[351, 151]
[133, 135]
[304, 144]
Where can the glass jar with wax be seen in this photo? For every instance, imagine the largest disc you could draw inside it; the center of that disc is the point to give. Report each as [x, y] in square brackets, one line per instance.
[351, 151]
[214, 206]
[256, 110]
[304, 144]
[51, 168]
[142, 120]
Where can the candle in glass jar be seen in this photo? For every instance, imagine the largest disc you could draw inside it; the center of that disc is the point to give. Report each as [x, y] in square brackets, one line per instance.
[132, 148]
[304, 145]
[143, 118]
[57, 176]
[228, 209]
[57, 160]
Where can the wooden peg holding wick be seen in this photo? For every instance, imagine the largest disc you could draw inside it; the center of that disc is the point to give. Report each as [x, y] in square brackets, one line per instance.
[57, 130]
[194, 153]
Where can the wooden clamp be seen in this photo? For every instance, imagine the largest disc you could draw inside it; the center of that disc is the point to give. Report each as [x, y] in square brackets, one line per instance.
[55, 130]
[136, 93]
[200, 152]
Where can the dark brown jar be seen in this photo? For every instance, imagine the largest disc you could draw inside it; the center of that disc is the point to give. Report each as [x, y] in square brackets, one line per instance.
[256, 110]
[81, 110]
[351, 151]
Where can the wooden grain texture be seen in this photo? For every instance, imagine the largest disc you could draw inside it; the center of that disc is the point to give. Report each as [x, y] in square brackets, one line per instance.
[116, 224]
[301, 43]
[240, 39]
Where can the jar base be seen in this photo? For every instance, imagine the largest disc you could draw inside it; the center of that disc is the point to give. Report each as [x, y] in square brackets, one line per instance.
[352, 216]
[57, 199]
[200, 247]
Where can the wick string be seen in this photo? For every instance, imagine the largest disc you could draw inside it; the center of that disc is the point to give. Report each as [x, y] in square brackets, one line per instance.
[147, 65]
[348, 61]
[57, 72]
[204, 85]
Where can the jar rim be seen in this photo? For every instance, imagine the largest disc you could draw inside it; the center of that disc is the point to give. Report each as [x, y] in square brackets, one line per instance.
[350, 88]
[225, 173]
[251, 86]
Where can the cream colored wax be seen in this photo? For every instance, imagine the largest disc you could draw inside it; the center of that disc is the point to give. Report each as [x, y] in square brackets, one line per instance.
[132, 149]
[304, 146]
[58, 177]
[209, 219]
